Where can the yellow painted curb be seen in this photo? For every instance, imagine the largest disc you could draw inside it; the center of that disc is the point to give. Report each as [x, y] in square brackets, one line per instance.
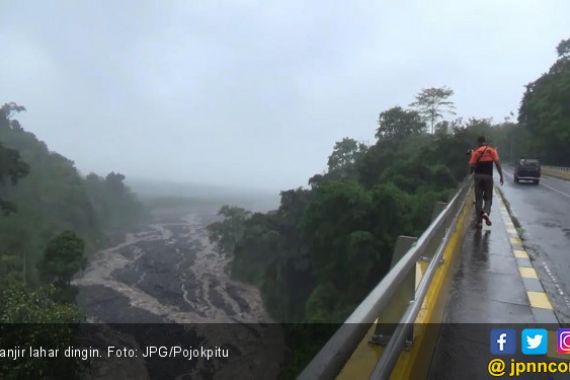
[528, 272]
[539, 300]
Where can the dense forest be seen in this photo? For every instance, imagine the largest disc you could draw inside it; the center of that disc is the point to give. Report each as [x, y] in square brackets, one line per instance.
[52, 217]
[318, 255]
[545, 111]
[322, 250]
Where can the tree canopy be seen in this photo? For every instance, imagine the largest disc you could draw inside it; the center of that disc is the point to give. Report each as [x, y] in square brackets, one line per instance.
[229, 230]
[56, 217]
[545, 111]
[12, 168]
[399, 123]
[63, 258]
[432, 103]
[344, 156]
[563, 48]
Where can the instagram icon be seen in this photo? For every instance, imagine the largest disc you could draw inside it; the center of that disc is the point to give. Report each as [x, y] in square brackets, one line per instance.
[564, 341]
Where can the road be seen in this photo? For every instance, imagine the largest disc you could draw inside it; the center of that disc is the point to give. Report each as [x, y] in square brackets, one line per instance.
[543, 212]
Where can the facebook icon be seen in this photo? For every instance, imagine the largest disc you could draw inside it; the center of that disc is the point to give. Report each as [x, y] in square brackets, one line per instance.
[503, 341]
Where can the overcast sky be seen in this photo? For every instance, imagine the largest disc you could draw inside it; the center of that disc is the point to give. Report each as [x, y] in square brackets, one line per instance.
[255, 93]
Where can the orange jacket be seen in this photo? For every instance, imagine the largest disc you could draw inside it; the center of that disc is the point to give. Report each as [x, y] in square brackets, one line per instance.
[484, 153]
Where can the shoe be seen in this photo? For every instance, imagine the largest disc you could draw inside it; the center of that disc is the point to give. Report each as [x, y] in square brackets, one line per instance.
[486, 219]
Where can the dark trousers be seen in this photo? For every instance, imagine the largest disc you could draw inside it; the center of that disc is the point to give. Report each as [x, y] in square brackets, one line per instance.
[483, 193]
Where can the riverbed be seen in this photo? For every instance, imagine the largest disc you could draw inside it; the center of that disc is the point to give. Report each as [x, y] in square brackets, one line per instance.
[168, 272]
[168, 280]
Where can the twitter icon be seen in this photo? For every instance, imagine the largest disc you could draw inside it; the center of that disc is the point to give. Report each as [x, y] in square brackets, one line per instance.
[534, 341]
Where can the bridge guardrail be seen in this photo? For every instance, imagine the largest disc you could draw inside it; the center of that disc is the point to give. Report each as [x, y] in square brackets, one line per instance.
[336, 352]
[556, 171]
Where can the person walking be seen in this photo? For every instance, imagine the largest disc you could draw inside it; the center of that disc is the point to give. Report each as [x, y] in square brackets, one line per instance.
[481, 163]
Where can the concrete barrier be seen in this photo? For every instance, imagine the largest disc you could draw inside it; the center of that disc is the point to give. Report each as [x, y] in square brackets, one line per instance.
[556, 171]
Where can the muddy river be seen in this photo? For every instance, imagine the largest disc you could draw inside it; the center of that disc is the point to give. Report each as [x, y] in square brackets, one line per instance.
[168, 274]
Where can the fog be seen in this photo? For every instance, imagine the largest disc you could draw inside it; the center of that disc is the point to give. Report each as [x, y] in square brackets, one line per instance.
[253, 94]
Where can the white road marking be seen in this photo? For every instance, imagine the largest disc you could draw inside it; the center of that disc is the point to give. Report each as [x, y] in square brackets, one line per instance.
[556, 284]
[556, 190]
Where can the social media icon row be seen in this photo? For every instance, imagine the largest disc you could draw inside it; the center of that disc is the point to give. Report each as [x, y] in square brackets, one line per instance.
[533, 341]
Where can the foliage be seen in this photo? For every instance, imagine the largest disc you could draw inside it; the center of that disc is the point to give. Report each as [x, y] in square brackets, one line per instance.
[33, 318]
[22, 305]
[11, 166]
[432, 102]
[343, 157]
[227, 232]
[545, 111]
[6, 112]
[563, 48]
[62, 259]
[115, 206]
[302, 342]
[52, 197]
[399, 123]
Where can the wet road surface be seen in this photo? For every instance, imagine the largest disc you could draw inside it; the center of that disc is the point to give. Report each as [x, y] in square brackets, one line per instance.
[543, 212]
[486, 291]
[487, 286]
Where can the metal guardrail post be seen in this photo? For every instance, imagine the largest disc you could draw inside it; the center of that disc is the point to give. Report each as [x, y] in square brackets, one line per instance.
[432, 247]
[401, 300]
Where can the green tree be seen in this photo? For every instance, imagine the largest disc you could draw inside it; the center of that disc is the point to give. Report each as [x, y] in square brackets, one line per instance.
[544, 111]
[114, 204]
[32, 318]
[6, 112]
[227, 232]
[293, 205]
[62, 259]
[399, 123]
[321, 301]
[563, 48]
[12, 168]
[22, 305]
[432, 102]
[115, 182]
[345, 154]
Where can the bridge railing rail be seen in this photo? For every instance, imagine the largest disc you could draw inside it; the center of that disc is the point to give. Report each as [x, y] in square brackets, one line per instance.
[556, 171]
[332, 357]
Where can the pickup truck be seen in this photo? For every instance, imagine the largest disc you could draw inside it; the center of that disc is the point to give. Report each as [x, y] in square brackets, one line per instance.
[527, 169]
